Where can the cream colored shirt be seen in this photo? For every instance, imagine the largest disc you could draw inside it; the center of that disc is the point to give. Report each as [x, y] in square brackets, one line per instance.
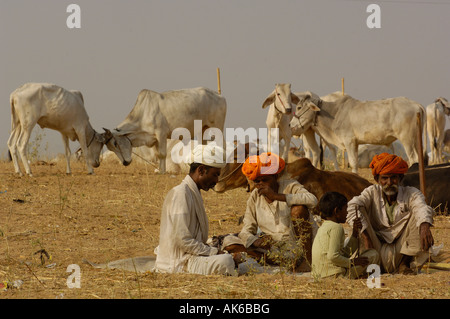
[329, 255]
[274, 219]
[184, 228]
[409, 201]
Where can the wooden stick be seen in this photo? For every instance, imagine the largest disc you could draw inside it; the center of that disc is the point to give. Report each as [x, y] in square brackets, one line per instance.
[357, 249]
[420, 151]
[218, 81]
[342, 85]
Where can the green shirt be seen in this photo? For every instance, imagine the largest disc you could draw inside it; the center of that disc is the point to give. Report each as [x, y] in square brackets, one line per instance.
[390, 211]
[329, 255]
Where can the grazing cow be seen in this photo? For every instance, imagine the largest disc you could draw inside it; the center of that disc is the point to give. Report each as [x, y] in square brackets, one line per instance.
[347, 122]
[156, 115]
[58, 109]
[314, 180]
[280, 115]
[435, 125]
[437, 184]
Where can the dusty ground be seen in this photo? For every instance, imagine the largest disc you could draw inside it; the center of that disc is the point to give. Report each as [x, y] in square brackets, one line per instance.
[115, 214]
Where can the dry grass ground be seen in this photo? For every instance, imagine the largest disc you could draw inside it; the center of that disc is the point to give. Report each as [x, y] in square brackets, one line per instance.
[115, 214]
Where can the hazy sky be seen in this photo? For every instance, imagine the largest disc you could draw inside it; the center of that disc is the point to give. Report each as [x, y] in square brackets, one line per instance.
[125, 46]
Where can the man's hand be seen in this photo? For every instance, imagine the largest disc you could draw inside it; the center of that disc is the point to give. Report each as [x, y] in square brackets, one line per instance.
[426, 238]
[357, 226]
[264, 242]
[269, 193]
[361, 261]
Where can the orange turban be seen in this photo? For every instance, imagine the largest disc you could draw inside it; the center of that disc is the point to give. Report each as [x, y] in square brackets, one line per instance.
[385, 163]
[264, 164]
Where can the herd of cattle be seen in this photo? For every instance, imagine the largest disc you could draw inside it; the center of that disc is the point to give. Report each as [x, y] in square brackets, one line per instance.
[339, 120]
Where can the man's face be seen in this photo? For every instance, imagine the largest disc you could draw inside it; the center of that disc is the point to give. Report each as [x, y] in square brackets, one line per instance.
[389, 183]
[341, 214]
[209, 176]
[266, 181]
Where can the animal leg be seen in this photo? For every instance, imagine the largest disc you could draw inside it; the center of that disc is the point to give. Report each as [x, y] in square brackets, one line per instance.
[22, 143]
[12, 145]
[162, 153]
[312, 143]
[82, 139]
[352, 151]
[67, 153]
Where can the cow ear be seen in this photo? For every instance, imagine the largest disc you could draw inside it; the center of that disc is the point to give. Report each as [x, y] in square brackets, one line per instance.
[100, 138]
[269, 100]
[295, 99]
[107, 134]
[313, 107]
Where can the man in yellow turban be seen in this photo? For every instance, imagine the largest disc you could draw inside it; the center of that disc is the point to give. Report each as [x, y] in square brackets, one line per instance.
[396, 219]
[274, 206]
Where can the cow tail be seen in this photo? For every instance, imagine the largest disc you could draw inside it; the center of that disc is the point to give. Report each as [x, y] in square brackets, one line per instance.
[14, 119]
[435, 129]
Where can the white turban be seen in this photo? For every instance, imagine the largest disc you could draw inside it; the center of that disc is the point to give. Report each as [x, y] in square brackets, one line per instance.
[210, 155]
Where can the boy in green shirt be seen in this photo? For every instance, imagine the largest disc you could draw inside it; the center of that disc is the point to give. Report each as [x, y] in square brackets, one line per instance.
[330, 254]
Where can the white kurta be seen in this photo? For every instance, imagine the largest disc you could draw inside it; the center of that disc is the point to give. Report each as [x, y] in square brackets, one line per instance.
[402, 236]
[274, 219]
[184, 228]
[409, 201]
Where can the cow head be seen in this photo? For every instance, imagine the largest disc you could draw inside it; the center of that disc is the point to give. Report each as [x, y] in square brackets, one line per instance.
[305, 112]
[120, 144]
[282, 98]
[231, 175]
[445, 105]
[95, 147]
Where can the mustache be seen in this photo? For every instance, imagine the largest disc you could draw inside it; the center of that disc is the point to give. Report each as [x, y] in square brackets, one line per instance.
[389, 190]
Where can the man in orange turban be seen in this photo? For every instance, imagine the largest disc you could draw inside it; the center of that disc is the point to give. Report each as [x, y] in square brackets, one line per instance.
[396, 219]
[386, 163]
[274, 207]
[264, 164]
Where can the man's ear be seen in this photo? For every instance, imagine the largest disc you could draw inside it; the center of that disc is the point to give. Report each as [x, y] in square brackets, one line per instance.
[335, 210]
[202, 169]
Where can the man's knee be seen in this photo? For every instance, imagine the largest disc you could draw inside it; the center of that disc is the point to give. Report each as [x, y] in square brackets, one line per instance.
[226, 265]
[300, 212]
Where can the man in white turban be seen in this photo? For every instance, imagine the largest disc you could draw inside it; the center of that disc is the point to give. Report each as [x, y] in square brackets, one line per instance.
[184, 223]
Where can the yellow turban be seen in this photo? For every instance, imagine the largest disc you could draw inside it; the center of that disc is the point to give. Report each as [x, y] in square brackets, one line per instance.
[385, 164]
[264, 164]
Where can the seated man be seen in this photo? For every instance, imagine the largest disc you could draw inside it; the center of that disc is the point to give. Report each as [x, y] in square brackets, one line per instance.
[331, 256]
[184, 223]
[395, 219]
[279, 209]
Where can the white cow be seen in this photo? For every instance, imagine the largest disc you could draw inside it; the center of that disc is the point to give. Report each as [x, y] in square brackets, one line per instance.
[281, 101]
[309, 138]
[348, 122]
[435, 125]
[148, 155]
[156, 115]
[55, 108]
